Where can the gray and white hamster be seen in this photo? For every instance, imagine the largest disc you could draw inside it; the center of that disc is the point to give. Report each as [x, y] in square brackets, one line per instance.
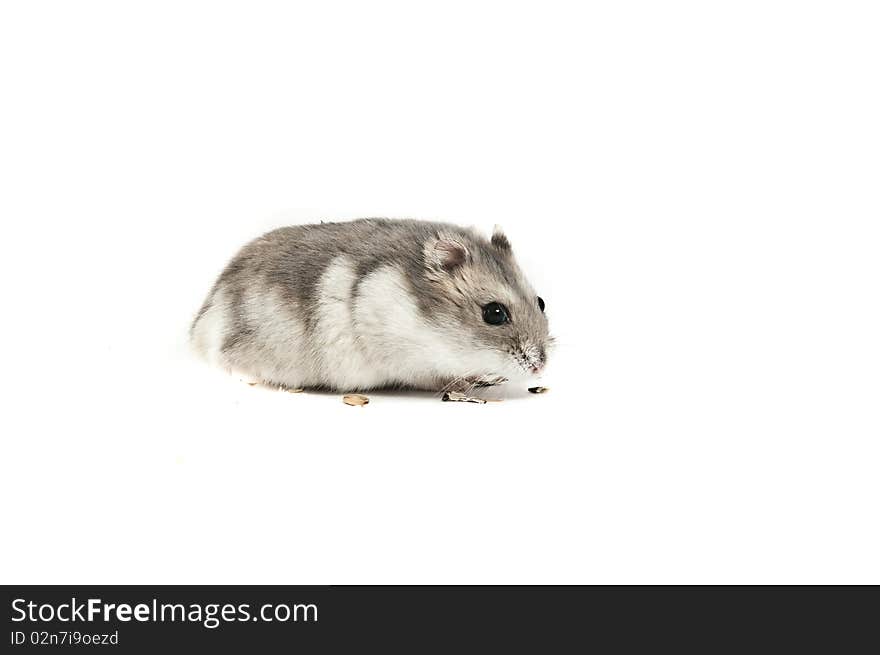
[374, 303]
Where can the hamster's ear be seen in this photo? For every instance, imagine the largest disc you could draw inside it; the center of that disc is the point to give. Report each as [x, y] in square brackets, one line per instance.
[499, 239]
[444, 253]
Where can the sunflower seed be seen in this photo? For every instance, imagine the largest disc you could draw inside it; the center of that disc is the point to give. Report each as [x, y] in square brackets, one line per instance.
[457, 397]
[355, 400]
[538, 389]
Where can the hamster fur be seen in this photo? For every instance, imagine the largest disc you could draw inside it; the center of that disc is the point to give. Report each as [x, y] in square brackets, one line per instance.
[373, 303]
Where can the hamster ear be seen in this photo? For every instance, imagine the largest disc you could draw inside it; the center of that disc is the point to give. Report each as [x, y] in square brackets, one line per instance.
[444, 253]
[499, 239]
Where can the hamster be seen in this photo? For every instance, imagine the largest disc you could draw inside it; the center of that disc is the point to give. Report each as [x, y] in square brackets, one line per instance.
[375, 303]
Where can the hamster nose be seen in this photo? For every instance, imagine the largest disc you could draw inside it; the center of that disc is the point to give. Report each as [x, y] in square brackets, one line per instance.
[538, 364]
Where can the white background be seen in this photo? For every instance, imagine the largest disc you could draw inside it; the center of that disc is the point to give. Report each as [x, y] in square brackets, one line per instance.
[692, 187]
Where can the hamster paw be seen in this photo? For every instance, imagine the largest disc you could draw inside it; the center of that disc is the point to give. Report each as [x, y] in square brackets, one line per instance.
[488, 381]
[468, 384]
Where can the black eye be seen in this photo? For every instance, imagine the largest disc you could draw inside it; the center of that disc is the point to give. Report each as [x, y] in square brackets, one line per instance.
[495, 313]
[541, 303]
